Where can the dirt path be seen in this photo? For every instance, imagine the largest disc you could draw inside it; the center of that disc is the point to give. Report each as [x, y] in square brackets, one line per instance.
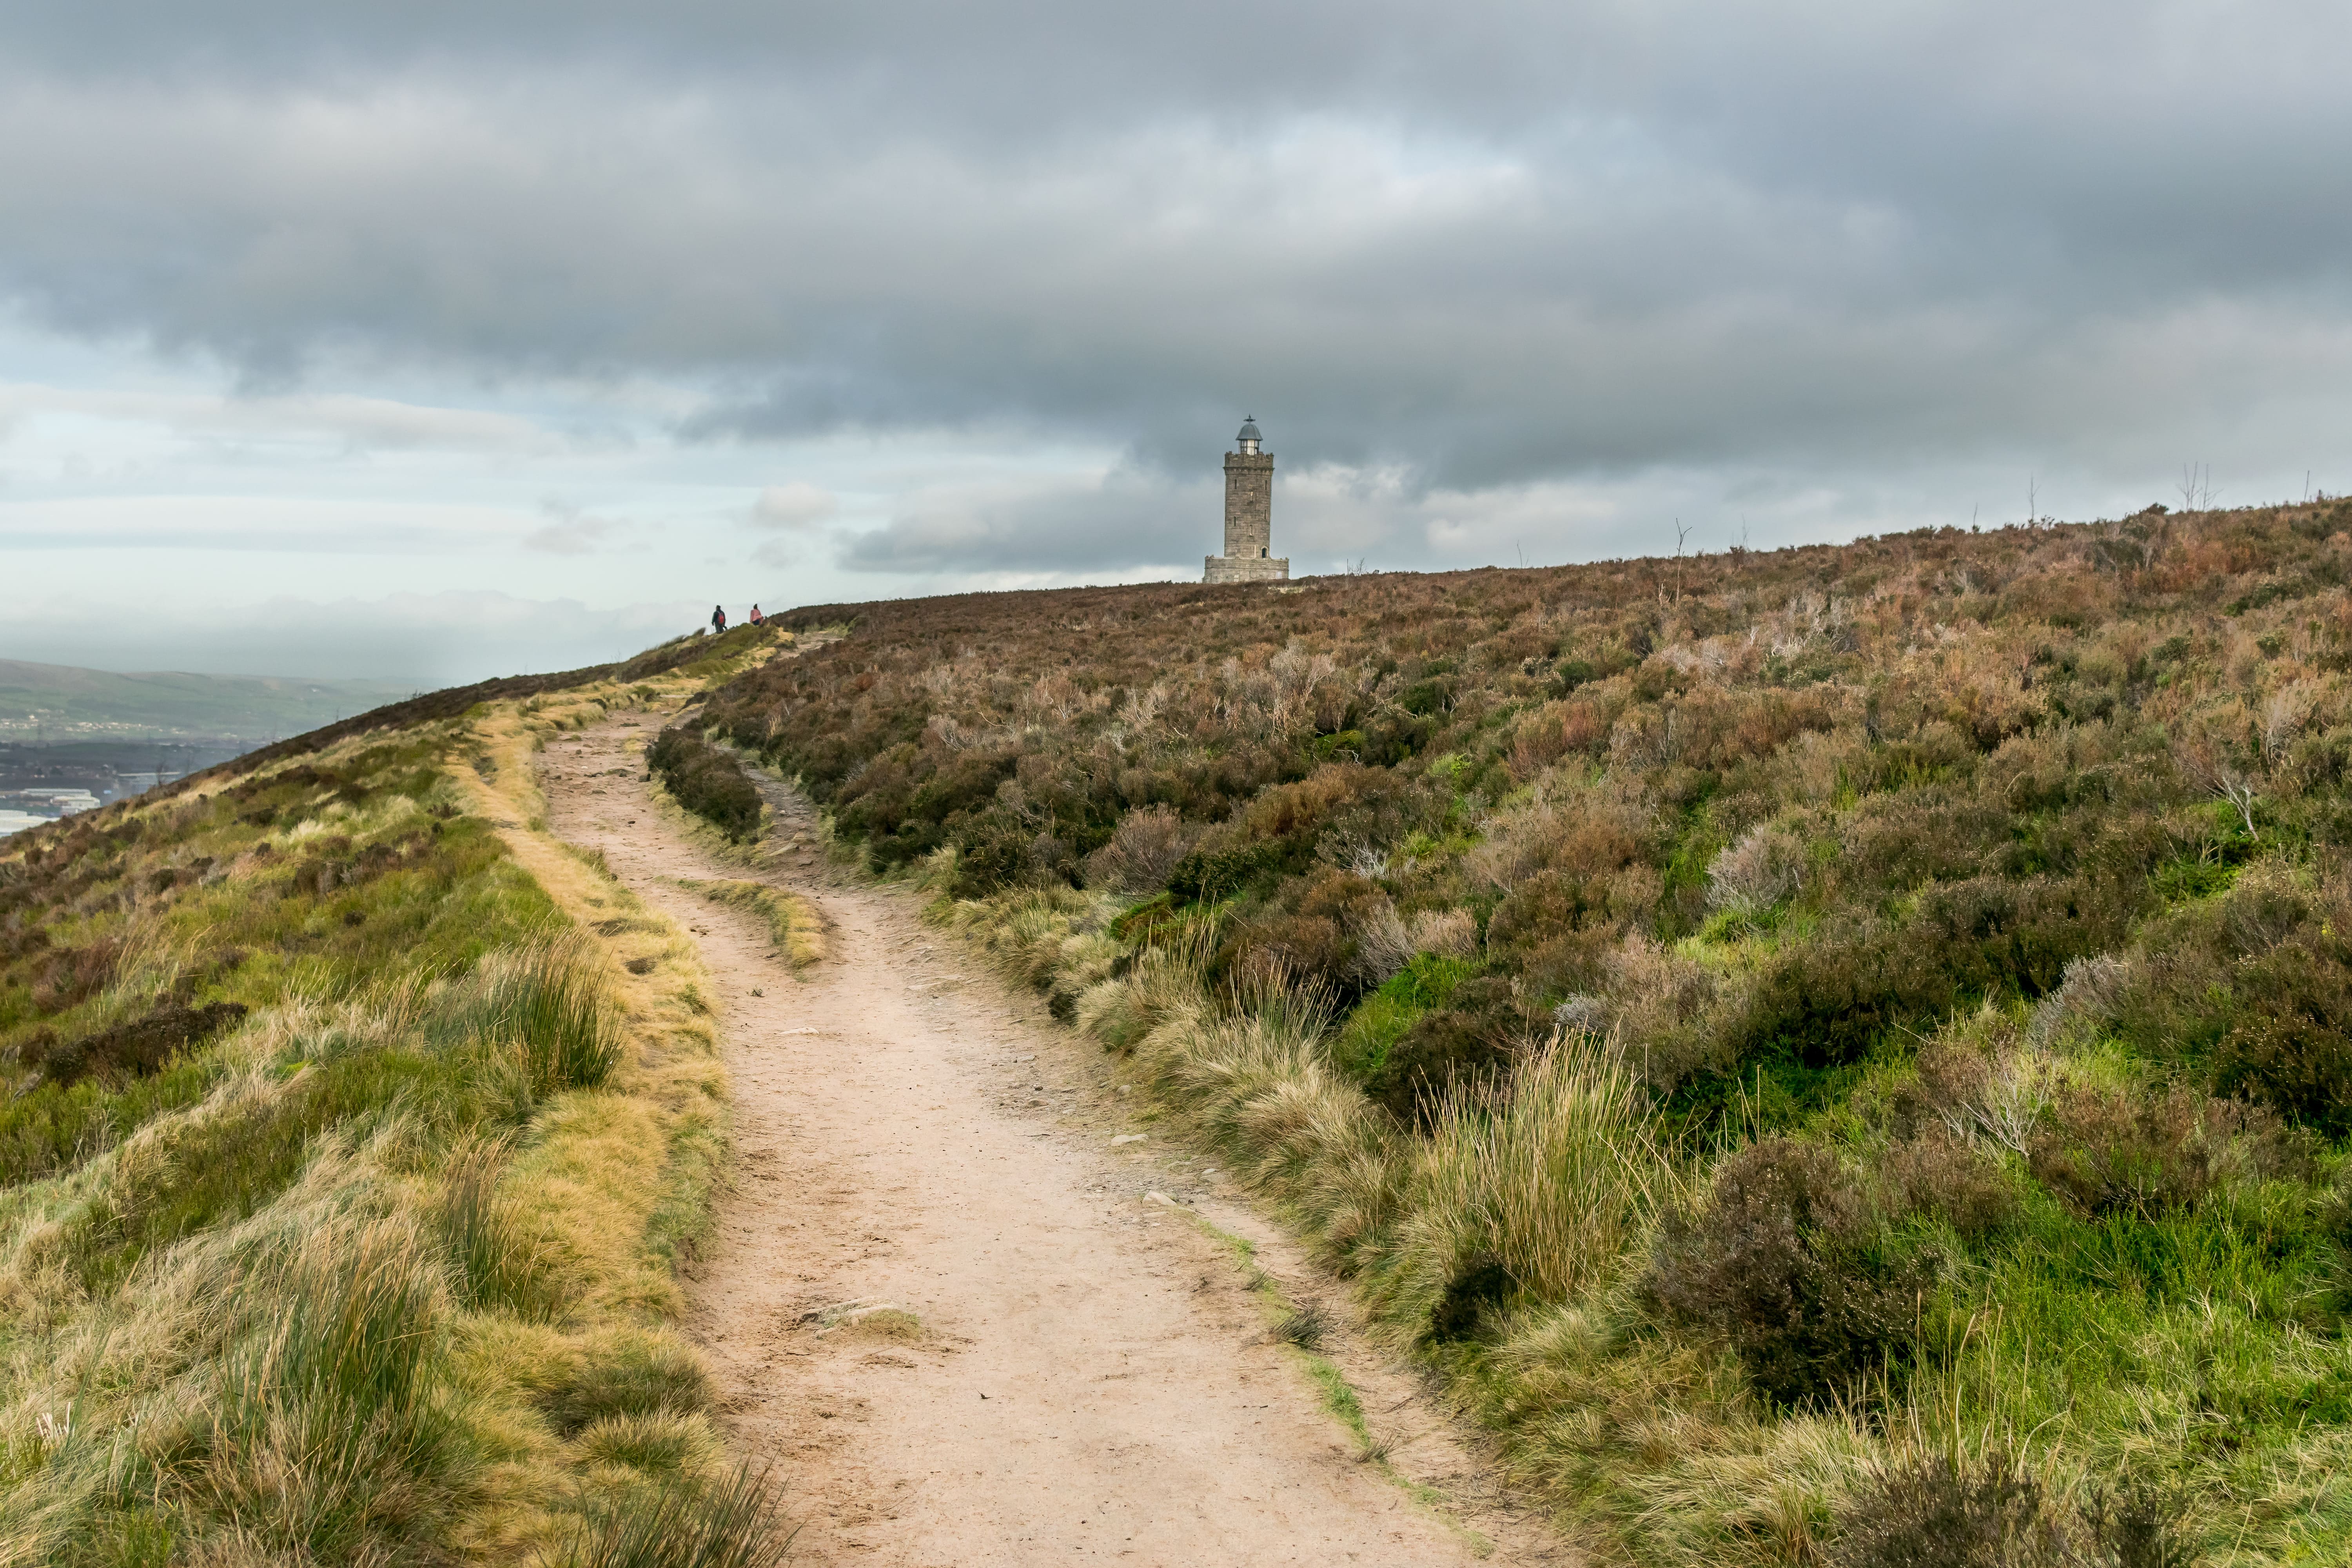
[952, 1311]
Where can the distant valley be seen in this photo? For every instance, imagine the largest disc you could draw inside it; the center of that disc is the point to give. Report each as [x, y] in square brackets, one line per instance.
[72, 737]
[53, 702]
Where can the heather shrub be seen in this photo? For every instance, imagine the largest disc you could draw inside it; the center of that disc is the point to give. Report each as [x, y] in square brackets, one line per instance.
[1425, 982]
[707, 781]
[1467, 1041]
[68, 976]
[2289, 1045]
[1781, 1262]
[1941, 1513]
[136, 1048]
[1946, 1176]
[1992, 1512]
[1831, 1000]
[2148, 1152]
[991, 849]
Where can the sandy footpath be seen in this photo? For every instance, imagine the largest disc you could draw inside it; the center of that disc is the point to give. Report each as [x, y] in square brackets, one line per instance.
[940, 1299]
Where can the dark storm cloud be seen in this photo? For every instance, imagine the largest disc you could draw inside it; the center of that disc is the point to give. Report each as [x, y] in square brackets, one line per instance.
[1479, 245]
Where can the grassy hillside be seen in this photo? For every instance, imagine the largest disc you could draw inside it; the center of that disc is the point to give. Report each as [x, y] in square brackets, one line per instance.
[354, 1129]
[64, 702]
[1840, 1053]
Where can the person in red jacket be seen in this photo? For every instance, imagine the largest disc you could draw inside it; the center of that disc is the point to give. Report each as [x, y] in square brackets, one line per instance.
[756, 616]
[718, 617]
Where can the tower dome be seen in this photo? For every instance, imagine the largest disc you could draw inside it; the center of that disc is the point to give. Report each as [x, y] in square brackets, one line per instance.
[1249, 437]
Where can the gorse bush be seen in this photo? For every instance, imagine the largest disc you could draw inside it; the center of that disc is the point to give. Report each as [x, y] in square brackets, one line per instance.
[1965, 912]
[707, 781]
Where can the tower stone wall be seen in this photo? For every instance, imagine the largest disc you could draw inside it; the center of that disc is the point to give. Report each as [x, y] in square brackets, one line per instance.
[1249, 505]
[1249, 519]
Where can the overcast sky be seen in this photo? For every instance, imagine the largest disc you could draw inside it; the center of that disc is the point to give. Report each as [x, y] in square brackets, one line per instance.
[438, 340]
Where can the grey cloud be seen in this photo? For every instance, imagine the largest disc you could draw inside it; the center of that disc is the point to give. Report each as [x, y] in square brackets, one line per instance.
[796, 507]
[571, 531]
[1056, 526]
[1499, 248]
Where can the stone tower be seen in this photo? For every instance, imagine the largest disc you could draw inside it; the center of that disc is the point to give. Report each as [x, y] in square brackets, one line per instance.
[1249, 517]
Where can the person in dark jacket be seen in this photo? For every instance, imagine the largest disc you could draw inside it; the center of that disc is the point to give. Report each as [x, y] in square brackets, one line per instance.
[718, 617]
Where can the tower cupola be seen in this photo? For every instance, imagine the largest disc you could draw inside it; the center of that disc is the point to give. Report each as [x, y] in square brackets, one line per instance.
[1249, 437]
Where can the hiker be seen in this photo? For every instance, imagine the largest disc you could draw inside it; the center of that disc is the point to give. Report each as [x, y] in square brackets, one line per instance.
[718, 617]
[755, 614]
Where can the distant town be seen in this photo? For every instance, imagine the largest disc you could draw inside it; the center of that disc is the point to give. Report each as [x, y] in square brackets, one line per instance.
[42, 782]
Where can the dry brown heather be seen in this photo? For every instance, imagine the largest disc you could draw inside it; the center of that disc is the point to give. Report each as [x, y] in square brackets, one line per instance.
[352, 1129]
[1836, 1051]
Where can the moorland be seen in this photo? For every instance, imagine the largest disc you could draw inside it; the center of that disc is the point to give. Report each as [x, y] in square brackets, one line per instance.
[1831, 1054]
[1838, 1052]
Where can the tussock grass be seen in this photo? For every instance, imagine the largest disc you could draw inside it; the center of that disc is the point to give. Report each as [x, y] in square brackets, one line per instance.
[1496, 1167]
[382, 1271]
[500, 1265]
[794, 922]
[549, 997]
[1507, 1240]
[729, 1525]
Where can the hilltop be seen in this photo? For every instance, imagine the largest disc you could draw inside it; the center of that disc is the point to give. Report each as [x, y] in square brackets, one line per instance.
[64, 702]
[1837, 1050]
[354, 1129]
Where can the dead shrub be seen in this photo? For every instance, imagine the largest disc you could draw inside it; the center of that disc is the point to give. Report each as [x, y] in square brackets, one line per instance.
[1661, 1005]
[1143, 849]
[72, 975]
[1983, 1092]
[1448, 934]
[2088, 996]
[1764, 870]
[1384, 943]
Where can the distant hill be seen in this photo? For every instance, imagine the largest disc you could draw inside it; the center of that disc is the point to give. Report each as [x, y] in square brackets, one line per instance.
[63, 702]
